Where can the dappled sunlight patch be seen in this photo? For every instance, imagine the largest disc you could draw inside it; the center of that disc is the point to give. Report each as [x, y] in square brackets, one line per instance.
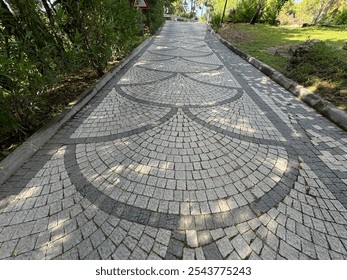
[210, 74]
[281, 164]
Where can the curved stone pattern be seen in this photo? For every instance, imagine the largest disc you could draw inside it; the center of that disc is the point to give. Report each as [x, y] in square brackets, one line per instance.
[220, 77]
[180, 52]
[183, 92]
[148, 56]
[178, 64]
[241, 117]
[197, 47]
[188, 153]
[115, 115]
[137, 75]
[206, 59]
[194, 172]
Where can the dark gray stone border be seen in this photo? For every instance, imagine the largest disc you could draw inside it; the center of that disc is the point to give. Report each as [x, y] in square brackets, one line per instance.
[322, 106]
[233, 98]
[199, 53]
[218, 67]
[150, 125]
[232, 134]
[129, 133]
[175, 221]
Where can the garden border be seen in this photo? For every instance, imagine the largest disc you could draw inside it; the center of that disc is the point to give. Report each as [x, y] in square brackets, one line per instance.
[19, 156]
[322, 106]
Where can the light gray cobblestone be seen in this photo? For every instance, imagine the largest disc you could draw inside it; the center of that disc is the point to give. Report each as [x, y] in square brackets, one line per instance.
[241, 246]
[187, 152]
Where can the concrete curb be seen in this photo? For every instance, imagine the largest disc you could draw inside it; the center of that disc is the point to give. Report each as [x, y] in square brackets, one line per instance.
[19, 156]
[322, 106]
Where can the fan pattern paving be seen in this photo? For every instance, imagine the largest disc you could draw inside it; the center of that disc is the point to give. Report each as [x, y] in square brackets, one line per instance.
[187, 153]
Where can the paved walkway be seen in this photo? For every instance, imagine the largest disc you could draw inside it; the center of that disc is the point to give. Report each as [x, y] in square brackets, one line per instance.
[190, 153]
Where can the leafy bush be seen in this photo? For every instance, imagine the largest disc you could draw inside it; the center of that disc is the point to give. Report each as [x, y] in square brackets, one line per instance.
[341, 17]
[272, 10]
[155, 15]
[41, 42]
[244, 11]
[269, 11]
[216, 21]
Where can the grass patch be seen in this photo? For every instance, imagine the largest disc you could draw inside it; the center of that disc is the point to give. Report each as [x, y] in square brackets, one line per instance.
[323, 70]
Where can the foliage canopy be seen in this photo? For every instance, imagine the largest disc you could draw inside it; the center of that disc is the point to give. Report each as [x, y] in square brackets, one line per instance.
[288, 11]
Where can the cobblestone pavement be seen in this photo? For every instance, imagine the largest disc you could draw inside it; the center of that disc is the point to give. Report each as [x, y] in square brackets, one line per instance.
[187, 153]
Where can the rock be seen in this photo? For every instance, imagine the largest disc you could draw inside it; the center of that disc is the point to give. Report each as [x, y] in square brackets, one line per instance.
[297, 52]
[279, 51]
[312, 42]
[307, 25]
[292, 50]
[282, 51]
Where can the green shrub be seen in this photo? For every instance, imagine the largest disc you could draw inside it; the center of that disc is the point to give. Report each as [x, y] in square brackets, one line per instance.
[272, 10]
[341, 17]
[244, 11]
[155, 17]
[40, 46]
[216, 21]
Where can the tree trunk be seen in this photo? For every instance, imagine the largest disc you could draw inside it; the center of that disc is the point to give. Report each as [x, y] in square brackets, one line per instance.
[49, 12]
[323, 10]
[9, 21]
[256, 13]
[318, 11]
[225, 5]
[59, 41]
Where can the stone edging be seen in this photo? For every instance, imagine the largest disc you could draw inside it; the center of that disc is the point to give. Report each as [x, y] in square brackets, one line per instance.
[322, 106]
[20, 155]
